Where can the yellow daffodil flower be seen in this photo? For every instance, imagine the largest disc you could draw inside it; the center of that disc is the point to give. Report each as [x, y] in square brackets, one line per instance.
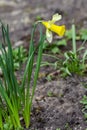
[52, 27]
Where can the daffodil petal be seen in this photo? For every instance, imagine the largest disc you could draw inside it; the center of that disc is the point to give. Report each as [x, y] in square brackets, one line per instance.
[56, 17]
[49, 35]
[49, 23]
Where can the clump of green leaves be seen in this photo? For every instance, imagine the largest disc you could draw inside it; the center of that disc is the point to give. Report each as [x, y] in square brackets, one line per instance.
[58, 129]
[50, 94]
[74, 62]
[84, 102]
[67, 127]
[54, 48]
[75, 59]
[83, 34]
[19, 56]
[16, 99]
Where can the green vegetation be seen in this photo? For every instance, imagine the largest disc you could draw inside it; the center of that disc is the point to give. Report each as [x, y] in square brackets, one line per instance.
[74, 60]
[54, 48]
[16, 99]
[19, 56]
[84, 102]
[58, 129]
[67, 127]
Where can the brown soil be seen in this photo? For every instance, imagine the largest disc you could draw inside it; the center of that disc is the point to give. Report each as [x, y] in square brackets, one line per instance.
[62, 109]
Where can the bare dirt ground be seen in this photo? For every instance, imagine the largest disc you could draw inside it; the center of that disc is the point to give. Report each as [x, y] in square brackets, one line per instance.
[62, 109]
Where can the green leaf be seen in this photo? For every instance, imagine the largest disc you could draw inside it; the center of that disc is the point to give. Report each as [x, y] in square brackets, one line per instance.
[83, 33]
[45, 45]
[68, 34]
[55, 50]
[62, 43]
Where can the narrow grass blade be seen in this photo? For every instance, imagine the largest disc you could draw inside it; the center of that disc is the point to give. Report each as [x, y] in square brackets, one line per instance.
[74, 38]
